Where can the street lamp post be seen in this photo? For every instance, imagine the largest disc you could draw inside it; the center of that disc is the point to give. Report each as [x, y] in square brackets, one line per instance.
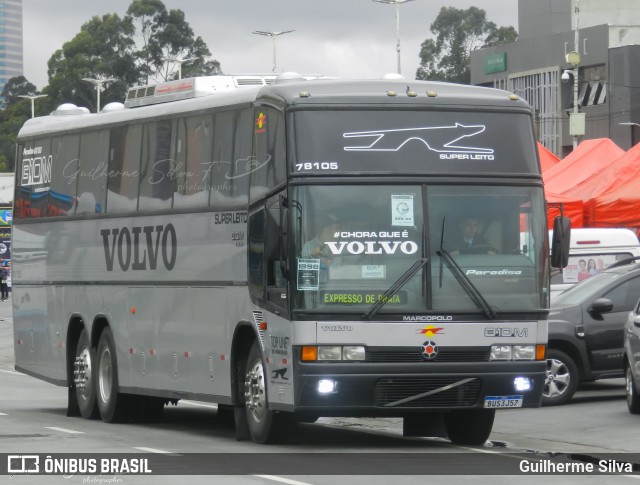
[179, 61]
[576, 119]
[273, 36]
[98, 84]
[397, 3]
[631, 124]
[33, 99]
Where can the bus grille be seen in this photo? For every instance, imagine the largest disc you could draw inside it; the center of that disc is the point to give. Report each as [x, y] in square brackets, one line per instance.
[445, 354]
[390, 391]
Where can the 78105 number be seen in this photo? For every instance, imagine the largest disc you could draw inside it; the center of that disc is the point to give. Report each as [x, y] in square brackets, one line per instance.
[316, 166]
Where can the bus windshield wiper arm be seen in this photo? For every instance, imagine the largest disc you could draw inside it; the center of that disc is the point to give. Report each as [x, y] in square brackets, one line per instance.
[466, 284]
[400, 282]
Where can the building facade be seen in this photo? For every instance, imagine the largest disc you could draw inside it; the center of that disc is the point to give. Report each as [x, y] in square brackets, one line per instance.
[536, 68]
[10, 40]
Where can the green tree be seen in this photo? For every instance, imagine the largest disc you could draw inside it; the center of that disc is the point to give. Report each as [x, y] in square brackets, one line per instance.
[104, 48]
[11, 120]
[16, 87]
[457, 33]
[166, 35]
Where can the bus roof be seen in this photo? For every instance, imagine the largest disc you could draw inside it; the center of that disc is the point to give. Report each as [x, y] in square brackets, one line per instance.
[194, 94]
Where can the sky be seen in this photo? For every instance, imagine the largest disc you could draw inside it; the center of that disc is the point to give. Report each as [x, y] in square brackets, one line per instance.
[344, 38]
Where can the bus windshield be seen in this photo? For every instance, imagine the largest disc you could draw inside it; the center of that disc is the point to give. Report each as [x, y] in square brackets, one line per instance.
[352, 243]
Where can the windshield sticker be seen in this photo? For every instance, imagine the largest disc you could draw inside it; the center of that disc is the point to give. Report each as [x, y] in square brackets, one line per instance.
[374, 271]
[361, 297]
[308, 274]
[402, 210]
[444, 140]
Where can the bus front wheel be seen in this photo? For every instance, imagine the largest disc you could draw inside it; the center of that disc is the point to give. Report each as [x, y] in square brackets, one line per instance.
[265, 426]
[114, 406]
[469, 426]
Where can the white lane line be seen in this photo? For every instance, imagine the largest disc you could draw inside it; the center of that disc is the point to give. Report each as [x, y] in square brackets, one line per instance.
[12, 372]
[199, 404]
[281, 480]
[154, 450]
[3, 414]
[64, 430]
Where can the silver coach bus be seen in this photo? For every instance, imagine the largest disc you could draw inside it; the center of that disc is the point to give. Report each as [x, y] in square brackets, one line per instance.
[288, 249]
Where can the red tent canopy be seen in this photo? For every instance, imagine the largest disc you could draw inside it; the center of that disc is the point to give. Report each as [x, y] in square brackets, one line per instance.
[624, 168]
[619, 207]
[591, 156]
[572, 208]
[547, 158]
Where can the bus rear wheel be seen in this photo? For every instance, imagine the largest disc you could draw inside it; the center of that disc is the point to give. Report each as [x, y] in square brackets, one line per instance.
[265, 426]
[469, 426]
[84, 378]
[113, 405]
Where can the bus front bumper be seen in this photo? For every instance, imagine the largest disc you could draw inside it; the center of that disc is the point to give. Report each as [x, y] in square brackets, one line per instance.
[329, 389]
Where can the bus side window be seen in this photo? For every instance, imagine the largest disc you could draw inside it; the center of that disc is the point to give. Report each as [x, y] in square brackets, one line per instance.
[62, 195]
[256, 255]
[92, 180]
[275, 253]
[125, 145]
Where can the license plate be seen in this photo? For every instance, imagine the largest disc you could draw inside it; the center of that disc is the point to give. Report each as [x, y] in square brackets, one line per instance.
[503, 402]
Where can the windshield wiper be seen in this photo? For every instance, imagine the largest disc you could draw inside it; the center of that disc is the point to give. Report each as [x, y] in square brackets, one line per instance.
[400, 282]
[462, 278]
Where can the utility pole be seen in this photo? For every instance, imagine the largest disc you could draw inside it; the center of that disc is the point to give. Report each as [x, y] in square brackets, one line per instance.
[576, 119]
[33, 99]
[397, 3]
[179, 61]
[273, 36]
[98, 84]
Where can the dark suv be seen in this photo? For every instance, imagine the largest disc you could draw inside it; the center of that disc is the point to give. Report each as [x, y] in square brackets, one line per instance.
[586, 330]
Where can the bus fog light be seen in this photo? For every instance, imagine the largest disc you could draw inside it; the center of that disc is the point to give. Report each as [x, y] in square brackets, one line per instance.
[524, 352]
[327, 386]
[353, 352]
[501, 352]
[522, 384]
[326, 352]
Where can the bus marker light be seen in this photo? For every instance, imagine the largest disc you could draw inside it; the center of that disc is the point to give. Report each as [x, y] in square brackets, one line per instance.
[541, 351]
[309, 353]
[326, 386]
[263, 325]
[133, 310]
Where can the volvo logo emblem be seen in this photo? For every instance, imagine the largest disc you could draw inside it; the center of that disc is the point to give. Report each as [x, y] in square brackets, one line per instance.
[429, 350]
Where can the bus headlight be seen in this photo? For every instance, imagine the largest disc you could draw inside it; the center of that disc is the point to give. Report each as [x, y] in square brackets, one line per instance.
[326, 352]
[320, 353]
[524, 352]
[353, 352]
[501, 352]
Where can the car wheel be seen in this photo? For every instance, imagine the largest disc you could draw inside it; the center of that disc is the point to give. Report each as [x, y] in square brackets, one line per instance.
[633, 398]
[561, 380]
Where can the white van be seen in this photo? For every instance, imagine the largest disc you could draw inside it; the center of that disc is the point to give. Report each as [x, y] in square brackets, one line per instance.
[593, 249]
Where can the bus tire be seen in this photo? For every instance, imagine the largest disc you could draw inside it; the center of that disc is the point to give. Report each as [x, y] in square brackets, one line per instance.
[265, 426]
[114, 406]
[84, 377]
[469, 426]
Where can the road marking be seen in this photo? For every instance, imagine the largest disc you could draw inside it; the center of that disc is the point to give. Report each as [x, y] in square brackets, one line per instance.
[4, 414]
[281, 480]
[12, 372]
[64, 430]
[199, 404]
[154, 450]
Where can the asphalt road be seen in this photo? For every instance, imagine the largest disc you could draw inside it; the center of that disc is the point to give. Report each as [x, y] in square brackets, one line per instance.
[371, 451]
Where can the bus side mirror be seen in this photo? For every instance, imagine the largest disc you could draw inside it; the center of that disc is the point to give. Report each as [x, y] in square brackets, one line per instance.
[560, 242]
